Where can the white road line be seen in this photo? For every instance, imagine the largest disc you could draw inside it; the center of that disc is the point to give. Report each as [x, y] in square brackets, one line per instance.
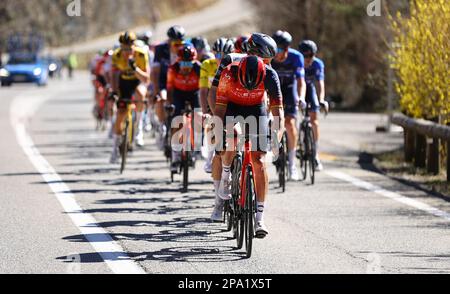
[389, 194]
[22, 109]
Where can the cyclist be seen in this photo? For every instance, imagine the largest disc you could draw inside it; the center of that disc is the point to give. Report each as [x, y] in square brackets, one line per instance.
[102, 80]
[262, 46]
[314, 74]
[131, 74]
[221, 47]
[242, 93]
[183, 86]
[202, 47]
[166, 54]
[289, 64]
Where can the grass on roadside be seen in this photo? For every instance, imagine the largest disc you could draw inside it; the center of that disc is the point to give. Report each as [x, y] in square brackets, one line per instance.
[393, 164]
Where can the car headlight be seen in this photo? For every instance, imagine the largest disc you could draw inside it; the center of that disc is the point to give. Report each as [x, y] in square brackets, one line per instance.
[4, 73]
[37, 71]
[52, 67]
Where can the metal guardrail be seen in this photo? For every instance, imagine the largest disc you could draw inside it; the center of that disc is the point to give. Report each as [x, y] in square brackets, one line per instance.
[422, 141]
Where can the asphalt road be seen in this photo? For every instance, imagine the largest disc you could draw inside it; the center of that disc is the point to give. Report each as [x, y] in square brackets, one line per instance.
[352, 221]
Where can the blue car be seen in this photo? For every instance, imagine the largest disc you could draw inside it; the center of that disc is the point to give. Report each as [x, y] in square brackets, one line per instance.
[24, 68]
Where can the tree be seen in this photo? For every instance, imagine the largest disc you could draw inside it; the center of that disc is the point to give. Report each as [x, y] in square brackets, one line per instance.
[422, 59]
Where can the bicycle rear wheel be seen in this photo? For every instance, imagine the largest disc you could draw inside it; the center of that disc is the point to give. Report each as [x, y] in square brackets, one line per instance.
[311, 157]
[302, 154]
[249, 214]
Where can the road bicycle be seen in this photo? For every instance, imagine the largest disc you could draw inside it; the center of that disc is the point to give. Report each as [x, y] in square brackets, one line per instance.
[129, 130]
[240, 211]
[187, 152]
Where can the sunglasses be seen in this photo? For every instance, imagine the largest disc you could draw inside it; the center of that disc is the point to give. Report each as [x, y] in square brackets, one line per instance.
[308, 55]
[186, 64]
[219, 55]
[281, 50]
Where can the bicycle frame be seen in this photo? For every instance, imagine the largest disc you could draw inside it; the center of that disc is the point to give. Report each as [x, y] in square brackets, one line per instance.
[247, 162]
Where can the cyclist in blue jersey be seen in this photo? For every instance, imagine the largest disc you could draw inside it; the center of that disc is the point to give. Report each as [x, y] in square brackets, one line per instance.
[289, 64]
[315, 77]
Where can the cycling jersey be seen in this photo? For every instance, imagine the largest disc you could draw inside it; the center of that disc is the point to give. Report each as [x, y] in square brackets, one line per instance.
[313, 73]
[226, 61]
[291, 69]
[122, 64]
[185, 87]
[289, 72]
[164, 59]
[231, 90]
[208, 72]
[178, 81]
[316, 72]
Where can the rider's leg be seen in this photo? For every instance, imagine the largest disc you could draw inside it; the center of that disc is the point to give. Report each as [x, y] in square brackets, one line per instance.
[141, 92]
[292, 138]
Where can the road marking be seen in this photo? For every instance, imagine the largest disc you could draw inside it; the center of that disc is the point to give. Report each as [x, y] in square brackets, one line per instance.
[22, 109]
[389, 194]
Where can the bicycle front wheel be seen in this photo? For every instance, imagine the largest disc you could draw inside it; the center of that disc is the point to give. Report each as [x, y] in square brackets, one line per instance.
[249, 214]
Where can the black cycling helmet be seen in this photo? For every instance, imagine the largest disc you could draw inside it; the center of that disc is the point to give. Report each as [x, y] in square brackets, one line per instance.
[262, 45]
[200, 43]
[146, 37]
[308, 46]
[127, 38]
[223, 45]
[187, 53]
[252, 72]
[176, 33]
[283, 39]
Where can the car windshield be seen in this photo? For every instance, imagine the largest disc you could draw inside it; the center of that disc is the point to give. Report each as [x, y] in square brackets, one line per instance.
[22, 60]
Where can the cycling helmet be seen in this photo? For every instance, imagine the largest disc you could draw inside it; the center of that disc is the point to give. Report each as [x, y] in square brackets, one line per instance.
[187, 53]
[262, 45]
[252, 72]
[223, 45]
[241, 44]
[200, 43]
[283, 39]
[127, 38]
[146, 37]
[176, 33]
[308, 46]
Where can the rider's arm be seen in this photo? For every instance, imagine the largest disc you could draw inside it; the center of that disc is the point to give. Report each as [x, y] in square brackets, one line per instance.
[204, 87]
[170, 84]
[220, 108]
[273, 87]
[320, 77]
[300, 76]
[115, 79]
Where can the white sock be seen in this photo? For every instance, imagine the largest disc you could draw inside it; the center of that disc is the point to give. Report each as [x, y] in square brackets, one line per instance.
[317, 150]
[292, 154]
[260, 211]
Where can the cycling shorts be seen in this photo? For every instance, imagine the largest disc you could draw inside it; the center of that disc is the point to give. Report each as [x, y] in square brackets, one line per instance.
[257, 117]
[181, 97]
[290, 101]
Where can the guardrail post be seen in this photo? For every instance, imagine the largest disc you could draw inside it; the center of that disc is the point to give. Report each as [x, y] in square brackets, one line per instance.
[409, 145]
[433, 165]
[421, 151]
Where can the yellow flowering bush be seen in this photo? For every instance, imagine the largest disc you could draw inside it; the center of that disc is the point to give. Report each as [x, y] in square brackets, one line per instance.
[421, 58]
